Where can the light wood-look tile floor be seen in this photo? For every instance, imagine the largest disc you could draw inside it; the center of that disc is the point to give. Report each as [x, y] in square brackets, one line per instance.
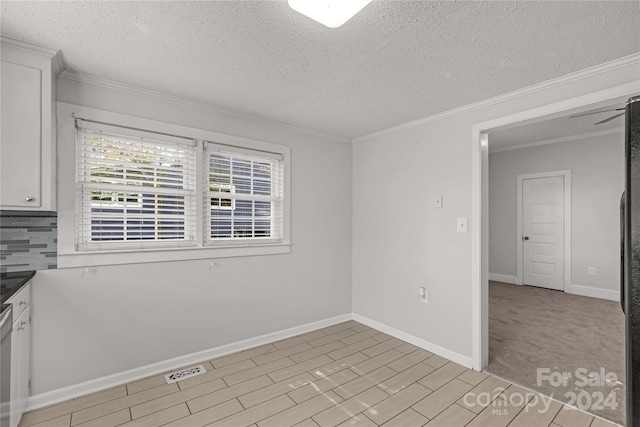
[344, 375]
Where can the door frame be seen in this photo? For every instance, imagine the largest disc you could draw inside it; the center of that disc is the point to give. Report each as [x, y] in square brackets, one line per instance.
[480, 203]
[567, 224]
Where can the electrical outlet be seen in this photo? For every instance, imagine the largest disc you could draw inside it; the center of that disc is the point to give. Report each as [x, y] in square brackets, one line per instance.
[592, 271]
[438, 204]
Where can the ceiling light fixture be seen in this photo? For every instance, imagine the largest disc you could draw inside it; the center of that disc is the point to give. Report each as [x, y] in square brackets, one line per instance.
[331, 13]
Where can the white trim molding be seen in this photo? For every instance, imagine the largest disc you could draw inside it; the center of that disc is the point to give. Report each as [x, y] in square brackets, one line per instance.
[98, 384]
[28, 46]
[57, 62]
[588, 291]
[557, 140]
[160, 96]
[480, 194]
[519, 93]
[503, 278]
[59, 395]
[70, 256]
[419, 342]
[87, 259]
[566, 174]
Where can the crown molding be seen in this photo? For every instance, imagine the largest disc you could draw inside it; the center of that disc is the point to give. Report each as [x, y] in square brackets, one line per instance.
[184, 102]
[57, 64]
[555, 140]
[55, 56]
[20, 44]
[625, 61]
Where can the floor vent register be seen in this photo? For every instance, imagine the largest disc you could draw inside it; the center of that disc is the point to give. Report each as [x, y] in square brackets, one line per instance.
[184, 374]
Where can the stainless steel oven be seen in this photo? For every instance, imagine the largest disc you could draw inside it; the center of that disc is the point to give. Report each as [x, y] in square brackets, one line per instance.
[6, 326]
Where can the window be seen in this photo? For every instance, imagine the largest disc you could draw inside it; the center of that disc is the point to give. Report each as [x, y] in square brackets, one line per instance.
[133, 189]
[244, 192]
[171, 197]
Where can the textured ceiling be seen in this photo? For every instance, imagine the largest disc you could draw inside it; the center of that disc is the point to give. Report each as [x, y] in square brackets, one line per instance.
[565, 126]
[394, 62]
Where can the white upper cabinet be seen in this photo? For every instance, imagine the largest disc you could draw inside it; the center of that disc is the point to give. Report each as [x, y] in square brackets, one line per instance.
[27, 137]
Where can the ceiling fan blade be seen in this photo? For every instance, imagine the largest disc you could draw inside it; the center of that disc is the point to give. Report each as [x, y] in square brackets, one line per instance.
[610, 118]
[595, 112]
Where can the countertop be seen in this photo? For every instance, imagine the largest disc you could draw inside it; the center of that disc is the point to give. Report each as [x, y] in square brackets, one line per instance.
[10, 283]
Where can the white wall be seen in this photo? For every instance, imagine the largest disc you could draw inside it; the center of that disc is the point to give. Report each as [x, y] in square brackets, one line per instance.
[373, 245]
[115, 318]
[401, 242]
[597, 179]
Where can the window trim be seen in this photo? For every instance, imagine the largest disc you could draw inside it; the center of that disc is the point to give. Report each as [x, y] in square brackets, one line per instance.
[68, 253]
[133, 144]
[274, 198]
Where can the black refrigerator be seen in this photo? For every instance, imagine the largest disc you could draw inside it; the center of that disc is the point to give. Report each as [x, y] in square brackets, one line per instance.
[630, 283]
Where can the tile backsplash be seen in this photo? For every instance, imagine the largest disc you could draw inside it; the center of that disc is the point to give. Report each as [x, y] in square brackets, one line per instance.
[28, 240]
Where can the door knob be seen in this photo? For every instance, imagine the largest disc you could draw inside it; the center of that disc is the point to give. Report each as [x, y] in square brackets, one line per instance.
[525, 238]
[29, 198]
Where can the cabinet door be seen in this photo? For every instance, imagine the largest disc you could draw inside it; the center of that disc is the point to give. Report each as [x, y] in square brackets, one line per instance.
[25, 359]
[14, 419]
[20, 138]
[20, 365]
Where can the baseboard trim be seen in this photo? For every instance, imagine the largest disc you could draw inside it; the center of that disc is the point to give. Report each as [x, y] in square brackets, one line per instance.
[585, 291]
[503, 278]
[593, 292]
[412, 339]
[98, 384]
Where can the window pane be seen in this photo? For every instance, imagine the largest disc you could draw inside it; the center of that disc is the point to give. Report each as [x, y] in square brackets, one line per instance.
[221, 223]
[252, 186]
[133, 189]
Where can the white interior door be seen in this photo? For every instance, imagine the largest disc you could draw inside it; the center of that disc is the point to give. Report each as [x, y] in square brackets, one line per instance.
[543, 232]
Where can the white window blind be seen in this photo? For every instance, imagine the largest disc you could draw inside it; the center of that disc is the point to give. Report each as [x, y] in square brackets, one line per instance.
[134, 188]
[243, 195]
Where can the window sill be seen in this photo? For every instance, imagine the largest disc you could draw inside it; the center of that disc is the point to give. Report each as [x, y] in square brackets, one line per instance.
[139, 256]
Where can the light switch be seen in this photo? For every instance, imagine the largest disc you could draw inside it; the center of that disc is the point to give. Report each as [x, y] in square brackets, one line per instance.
[438, 200]
[424, 295]
[462, 225]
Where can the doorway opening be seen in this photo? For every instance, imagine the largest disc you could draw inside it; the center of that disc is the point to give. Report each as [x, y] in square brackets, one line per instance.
[483, 141]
